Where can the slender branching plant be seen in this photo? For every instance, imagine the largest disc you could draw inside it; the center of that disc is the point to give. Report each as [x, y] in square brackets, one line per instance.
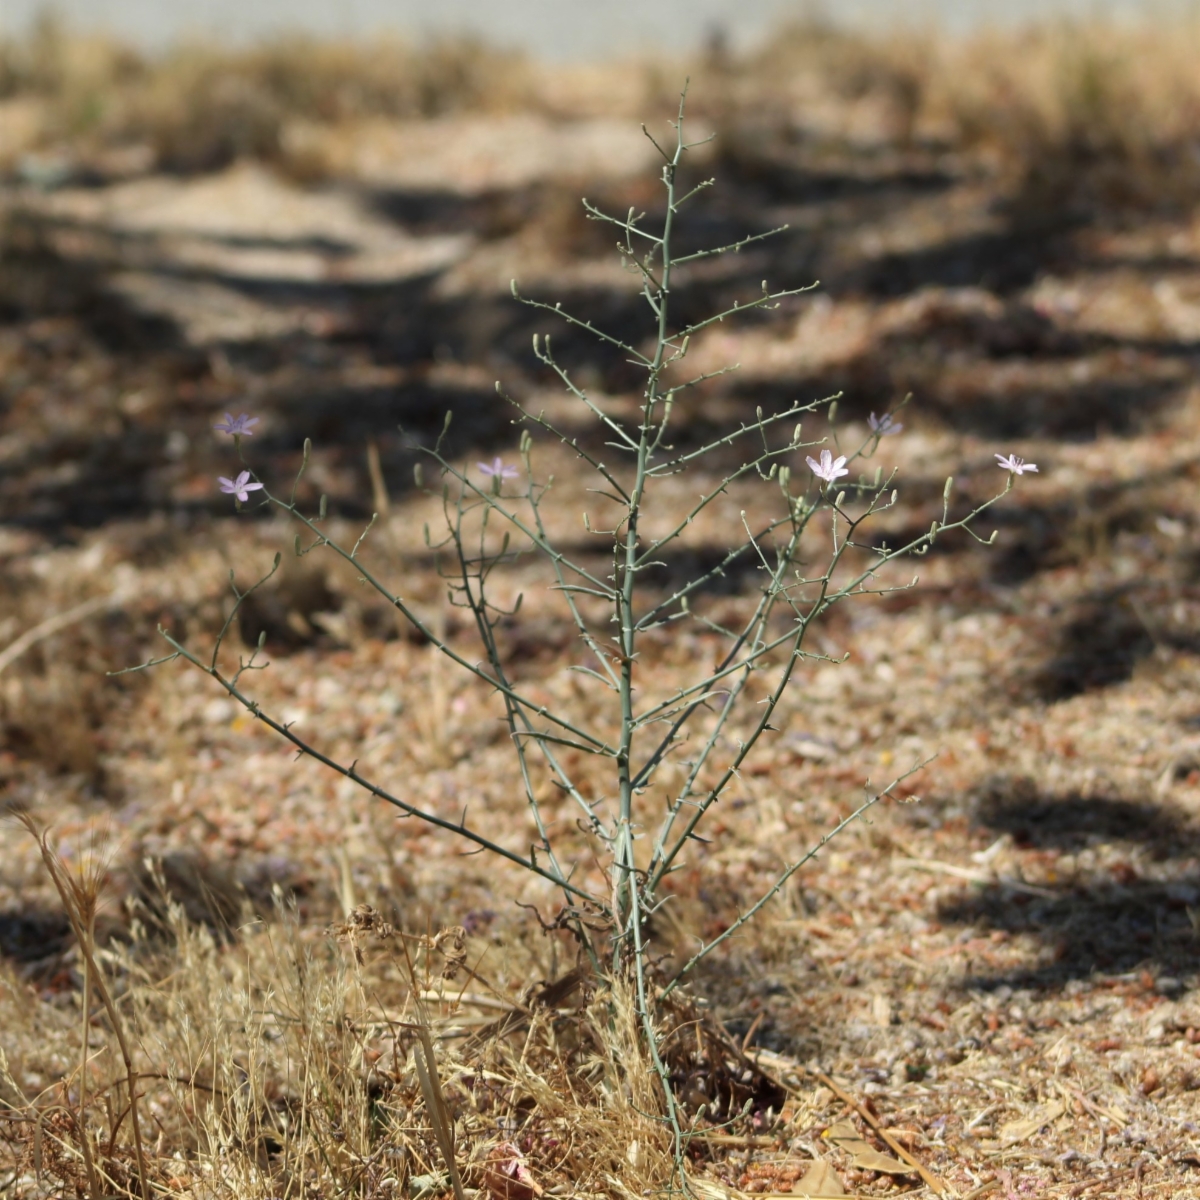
[707, 729]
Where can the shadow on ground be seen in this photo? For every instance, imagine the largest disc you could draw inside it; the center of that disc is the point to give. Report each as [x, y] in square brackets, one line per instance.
[368, 357]
[1127, 900]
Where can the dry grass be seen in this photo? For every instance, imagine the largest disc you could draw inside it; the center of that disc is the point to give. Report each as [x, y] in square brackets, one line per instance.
[292, 1063]
[1073, 113]
[199, 106]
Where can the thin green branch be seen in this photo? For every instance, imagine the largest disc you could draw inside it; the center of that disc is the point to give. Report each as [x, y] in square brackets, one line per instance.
[579, 323]
[351, 772]
[797, 409]
[734, 247]
[444, 647]
[782, 880]
[766, 300]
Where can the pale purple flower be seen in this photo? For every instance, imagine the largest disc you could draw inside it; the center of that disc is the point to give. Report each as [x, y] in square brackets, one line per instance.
[497, 469]
[1018, 466]
[885, 426]
[241, 487]
[242, 423]
[829, 468]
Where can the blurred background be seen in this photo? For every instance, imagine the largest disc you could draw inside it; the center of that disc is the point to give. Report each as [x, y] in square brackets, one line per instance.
[561, 29]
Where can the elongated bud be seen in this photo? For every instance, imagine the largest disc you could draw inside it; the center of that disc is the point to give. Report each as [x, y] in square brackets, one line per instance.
[323, 508]
[933, 528]
[833, 412]
[758, 413]
[526, 441]
[895, 493]
[446, 422]
[307, 452]
[418, 474]
[687, 341]
[946, 489]
[796, 432]
[262, 638]
[785, 476]
[773, 470]
[878, 475]
[841, 496]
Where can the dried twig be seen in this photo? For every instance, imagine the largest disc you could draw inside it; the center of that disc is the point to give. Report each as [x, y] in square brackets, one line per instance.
[57, 623]
[934, 1181]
